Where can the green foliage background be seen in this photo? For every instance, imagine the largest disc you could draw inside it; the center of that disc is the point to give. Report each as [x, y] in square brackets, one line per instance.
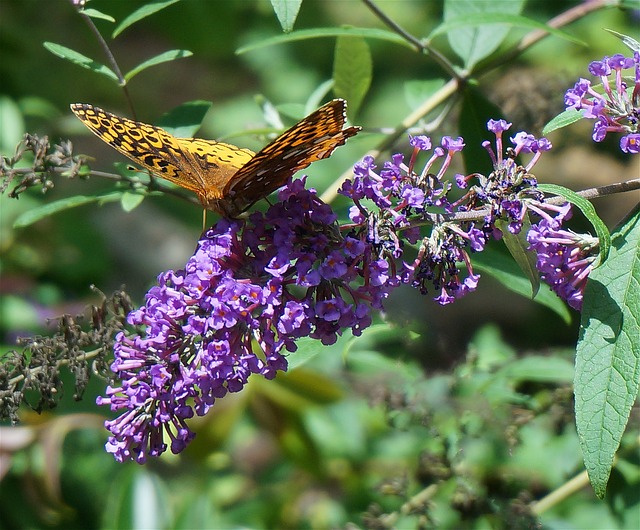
[454, 417]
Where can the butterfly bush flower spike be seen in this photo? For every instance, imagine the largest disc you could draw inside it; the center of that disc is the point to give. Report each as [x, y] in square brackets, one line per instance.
[614, 104]
[400, 204]
[405, 194]
[564, 258]
[243, 299]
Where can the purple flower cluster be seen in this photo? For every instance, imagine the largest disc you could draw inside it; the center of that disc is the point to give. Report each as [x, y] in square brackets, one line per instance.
[564, 258]
[283, 275]
[404, 199]
[615, 107]
[506, 190]
[409, 201]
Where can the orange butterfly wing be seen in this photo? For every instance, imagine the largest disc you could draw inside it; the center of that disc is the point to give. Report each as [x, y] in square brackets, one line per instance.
[313, 138]
[202, 166]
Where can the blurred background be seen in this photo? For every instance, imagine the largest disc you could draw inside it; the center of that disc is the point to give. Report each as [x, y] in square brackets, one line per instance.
[471, 398]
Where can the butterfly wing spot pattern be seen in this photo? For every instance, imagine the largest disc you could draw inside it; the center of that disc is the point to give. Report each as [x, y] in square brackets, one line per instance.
[225, 178]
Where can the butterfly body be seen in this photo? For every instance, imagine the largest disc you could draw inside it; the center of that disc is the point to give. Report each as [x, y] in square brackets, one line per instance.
[225, 178]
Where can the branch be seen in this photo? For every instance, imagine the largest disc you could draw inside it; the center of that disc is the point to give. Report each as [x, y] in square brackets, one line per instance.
[589, 193]
[422, 47]
[560, 494]
[110, 57]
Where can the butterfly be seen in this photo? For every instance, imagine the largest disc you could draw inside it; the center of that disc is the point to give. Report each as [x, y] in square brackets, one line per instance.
[226, 178]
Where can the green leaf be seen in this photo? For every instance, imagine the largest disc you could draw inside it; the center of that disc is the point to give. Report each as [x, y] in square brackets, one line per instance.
[36, 106]
[470, 41]
[317, 96]
[567, 117]
[135, 491]
[489, 348]
[501, 267]
[94, 13]
[11, 124]
[131, 172]
[588, 211]
[286, 11]
[80, 60]
[500, 18]
[272, 114]
[628, 4]
[373, 361]
[139, 14]
[164, 57]
[184, 120]
[130, 201]
[517, 245]
[630, 42]
[300, 388]
[31, 216]
[376, 335]
[539, 368]
[608, 353]
[486, 23]
[417, 91]
[18, 313]
[304, 34]
[308, 348]
[352, 71]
